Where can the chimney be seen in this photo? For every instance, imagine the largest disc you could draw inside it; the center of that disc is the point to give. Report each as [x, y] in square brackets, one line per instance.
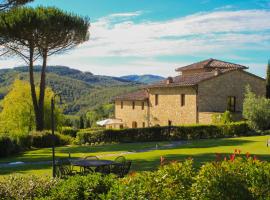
[169, 80]
[217, 72]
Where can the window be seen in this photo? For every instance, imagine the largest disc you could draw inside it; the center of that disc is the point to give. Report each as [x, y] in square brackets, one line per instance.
[156, 99]
[143, 124]
[133, 105]
[231, 103]
[143, 105]
[183, 99]
[169, 123]
[122, 104]
[134, 125]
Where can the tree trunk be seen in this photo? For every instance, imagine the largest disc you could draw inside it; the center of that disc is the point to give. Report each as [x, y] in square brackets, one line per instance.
[33, 90]
[42, 88]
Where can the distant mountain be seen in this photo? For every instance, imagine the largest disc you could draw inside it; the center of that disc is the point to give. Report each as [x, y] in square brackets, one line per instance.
[81, 91]
[146, 79]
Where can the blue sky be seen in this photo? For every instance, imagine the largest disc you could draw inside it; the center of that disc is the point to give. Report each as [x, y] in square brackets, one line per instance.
[157, 36]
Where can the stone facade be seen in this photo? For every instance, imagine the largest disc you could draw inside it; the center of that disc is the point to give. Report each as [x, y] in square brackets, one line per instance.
[201, 101]
[213, 98]
[169, 108]
[129, 115]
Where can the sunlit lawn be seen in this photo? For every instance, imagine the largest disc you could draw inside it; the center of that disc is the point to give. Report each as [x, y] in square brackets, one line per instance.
[201, 151]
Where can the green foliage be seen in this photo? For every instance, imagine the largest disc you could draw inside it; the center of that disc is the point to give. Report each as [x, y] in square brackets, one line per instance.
[18, 112]
[66, 130]
[256, 110]
[163, 133]
[80, 91]
[46, 139]
[224, 118]
[101, 112]
[92, 186]
[17, 143]
[8, 4]
[7, 146]
[25, 187]
[237, 179]
[268, 81]
[171, 181]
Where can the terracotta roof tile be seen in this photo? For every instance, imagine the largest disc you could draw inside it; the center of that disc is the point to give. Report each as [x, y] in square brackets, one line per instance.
[211, 64]
[137, 95]
[188, 80]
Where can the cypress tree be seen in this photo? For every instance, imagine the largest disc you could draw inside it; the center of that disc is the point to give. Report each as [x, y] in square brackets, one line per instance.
[268, 81]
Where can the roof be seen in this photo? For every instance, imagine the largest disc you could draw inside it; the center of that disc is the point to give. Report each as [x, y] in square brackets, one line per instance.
[211, 64]
[189, 80]
[140, 95]
[109, 122]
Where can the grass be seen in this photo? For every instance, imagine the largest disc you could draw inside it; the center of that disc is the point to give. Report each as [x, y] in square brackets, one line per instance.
[201, 151]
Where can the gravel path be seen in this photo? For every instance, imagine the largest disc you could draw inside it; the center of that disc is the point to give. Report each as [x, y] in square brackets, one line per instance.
[157, 147]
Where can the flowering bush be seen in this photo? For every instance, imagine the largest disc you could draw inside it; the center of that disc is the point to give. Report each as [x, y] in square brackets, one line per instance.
[238, 177]
[172, 181]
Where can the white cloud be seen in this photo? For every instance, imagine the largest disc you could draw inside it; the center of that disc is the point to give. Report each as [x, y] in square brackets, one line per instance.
[205, 34]
[202, 32]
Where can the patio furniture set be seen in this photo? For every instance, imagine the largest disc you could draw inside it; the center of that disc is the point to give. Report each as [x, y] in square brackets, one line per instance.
[65, 167]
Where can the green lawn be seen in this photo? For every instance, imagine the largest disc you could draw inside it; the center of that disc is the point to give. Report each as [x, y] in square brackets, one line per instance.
[201, 151]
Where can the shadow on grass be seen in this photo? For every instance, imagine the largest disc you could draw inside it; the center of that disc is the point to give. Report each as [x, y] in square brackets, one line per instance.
[209, 143]
[137, 164]
[22, 169]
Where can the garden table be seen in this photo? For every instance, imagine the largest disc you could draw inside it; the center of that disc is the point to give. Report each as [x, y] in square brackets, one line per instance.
[88, 164]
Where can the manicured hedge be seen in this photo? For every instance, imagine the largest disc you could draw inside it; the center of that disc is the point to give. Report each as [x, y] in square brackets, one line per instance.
[238, 178]
[15, 144]
[70, 131]
[164, 133]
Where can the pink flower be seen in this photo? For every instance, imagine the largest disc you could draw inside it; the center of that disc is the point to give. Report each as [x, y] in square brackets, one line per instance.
[232, 157]
[225, 158]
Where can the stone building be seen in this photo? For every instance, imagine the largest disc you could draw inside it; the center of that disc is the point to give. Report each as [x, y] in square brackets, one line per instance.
[199, 91]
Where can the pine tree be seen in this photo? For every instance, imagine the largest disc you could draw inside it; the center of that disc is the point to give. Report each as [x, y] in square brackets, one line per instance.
[268, 81]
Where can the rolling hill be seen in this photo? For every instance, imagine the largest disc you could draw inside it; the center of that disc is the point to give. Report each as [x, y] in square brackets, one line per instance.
[145, 79]
[81, 91]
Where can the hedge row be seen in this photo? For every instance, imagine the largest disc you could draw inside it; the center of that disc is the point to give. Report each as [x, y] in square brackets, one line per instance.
[239, 179]
[163, 133]
[9, 145]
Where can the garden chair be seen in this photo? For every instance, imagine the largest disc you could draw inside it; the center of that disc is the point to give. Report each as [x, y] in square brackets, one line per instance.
[63, 168]
[126, 168]
[87, 170]
[118, 167]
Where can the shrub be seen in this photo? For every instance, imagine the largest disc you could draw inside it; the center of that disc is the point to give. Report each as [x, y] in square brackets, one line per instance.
[256, 110]
[163, 133]
[25, 187]
[7, 146]
[171, 181]
[70, 131]
[235, 179]
[92, 186]
[46, 139]
[224, 118]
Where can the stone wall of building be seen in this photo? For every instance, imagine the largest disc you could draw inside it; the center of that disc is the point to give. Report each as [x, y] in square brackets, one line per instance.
[213, 93]
[130, 115]
[169, 106]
